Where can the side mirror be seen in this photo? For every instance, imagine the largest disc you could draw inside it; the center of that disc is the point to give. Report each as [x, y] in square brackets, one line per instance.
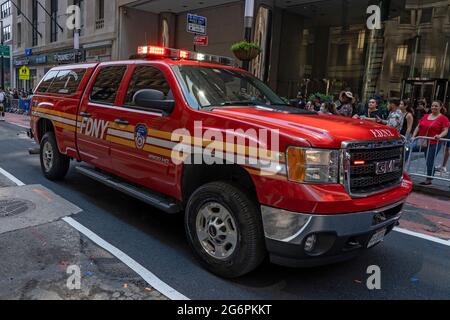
[153, 99]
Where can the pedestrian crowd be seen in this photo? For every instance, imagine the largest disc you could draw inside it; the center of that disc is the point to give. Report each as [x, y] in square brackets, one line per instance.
[411, 119]
[11, 100]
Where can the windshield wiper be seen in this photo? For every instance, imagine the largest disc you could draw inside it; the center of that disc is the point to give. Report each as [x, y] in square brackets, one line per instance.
[240, 103]
[232, 103]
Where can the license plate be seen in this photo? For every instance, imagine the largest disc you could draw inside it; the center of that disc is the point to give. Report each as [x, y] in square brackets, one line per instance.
[377, 238]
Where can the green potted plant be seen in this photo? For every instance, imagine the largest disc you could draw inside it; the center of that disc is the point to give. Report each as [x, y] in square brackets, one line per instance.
[246, 51]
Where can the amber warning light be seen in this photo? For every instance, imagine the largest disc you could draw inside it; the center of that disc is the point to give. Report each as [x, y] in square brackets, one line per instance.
[176, 54]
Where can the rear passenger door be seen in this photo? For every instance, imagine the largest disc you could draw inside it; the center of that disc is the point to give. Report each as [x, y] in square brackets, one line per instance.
[97, 114]
[141, 147]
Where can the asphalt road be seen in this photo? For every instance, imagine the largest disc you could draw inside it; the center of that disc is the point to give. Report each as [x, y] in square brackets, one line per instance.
[412, 268]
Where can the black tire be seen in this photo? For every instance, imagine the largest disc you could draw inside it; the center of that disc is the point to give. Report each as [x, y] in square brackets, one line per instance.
[250, 250]
[61, 163]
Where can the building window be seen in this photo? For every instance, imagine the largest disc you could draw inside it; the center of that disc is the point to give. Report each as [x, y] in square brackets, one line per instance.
[427, 15]
[19, 7]
[5, 9]
[35, 23]
[53, 21]
[6, 33]
[361, 40]
[100, 21]
[402, 53]
[342, 54]
[406, 17]
[429, 63]
[19, 35]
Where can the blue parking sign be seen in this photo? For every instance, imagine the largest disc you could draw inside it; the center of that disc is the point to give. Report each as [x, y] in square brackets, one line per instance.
[196, 24]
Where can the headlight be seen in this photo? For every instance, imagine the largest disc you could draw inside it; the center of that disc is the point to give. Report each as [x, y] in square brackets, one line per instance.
[313, 166]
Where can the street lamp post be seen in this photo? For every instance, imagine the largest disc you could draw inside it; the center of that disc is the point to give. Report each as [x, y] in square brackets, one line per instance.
[248, 24]
[2, 60]
[76, 44]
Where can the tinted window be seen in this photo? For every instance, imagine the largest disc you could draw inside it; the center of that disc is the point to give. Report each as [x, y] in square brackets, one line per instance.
[47, 81]
[106, 84]
[146, 77]
[67, 81]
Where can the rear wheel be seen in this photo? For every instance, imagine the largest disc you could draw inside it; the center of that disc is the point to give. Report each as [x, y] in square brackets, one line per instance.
[54, 164]
[225, 230]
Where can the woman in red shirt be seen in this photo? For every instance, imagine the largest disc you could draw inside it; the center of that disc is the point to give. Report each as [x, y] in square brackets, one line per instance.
[436, 126]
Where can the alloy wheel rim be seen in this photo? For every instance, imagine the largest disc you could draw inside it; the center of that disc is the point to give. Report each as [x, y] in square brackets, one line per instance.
[217, 231]
[48, 156]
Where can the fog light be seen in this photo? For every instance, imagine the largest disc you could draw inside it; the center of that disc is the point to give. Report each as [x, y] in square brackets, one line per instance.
[310, 243]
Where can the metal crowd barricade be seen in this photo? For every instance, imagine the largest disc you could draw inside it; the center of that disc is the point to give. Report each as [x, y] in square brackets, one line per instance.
[14, 105]
[19, 106]
[425, 158]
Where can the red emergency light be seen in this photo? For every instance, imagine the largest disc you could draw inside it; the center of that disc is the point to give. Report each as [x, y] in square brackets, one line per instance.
[176, 54]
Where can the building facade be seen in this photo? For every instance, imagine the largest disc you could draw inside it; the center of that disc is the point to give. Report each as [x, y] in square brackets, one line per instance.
[6, 36]
[43, 38]
[315, 45]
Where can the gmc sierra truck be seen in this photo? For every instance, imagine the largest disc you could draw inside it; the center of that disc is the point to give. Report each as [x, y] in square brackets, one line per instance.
[189, 133]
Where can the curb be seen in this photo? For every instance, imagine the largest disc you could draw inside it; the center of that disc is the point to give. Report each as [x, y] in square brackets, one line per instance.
[432, 191]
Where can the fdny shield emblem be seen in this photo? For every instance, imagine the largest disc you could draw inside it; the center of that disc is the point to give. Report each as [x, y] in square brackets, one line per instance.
[140, 136]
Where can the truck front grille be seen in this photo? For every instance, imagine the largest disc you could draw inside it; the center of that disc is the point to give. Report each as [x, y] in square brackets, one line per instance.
[373, 167]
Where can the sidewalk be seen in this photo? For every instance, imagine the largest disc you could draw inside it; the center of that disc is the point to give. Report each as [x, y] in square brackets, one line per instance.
[439, 188]
[19, 120]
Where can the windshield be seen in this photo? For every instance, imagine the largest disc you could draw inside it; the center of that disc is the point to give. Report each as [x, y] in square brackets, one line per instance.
[217, 87]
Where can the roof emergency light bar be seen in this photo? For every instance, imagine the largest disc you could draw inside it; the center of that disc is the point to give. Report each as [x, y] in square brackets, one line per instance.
[177, 54]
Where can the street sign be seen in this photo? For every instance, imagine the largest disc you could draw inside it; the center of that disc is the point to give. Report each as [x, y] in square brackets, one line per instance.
[24, 73]
[196, 24]
[5, 51]
[201, 41]
[29, 52]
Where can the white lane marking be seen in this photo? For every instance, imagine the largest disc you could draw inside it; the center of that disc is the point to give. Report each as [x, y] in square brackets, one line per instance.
[12, 178]
[423, 236]
[148, 276]
[17, 124]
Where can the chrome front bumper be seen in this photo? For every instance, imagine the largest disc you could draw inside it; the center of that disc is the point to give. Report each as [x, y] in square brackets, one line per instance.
[289, 227]
[337, 237]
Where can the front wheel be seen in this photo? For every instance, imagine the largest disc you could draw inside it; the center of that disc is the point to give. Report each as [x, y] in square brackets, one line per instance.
[224, 229]
[54, 164]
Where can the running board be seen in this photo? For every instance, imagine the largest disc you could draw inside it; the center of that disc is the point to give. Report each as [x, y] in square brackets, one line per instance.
[160, 202]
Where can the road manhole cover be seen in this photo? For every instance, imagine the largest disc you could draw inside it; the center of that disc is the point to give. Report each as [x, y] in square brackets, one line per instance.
[13, 207]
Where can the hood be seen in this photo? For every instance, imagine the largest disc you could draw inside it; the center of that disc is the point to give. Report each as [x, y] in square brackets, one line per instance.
[321, 131]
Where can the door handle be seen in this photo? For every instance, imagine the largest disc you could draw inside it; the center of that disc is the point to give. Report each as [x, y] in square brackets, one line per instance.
[122, 122]
[85, 115]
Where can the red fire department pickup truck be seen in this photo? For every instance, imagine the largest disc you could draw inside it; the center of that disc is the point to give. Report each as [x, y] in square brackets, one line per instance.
[303, 188]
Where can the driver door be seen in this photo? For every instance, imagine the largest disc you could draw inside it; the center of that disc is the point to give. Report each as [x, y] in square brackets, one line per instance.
[140, 140]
